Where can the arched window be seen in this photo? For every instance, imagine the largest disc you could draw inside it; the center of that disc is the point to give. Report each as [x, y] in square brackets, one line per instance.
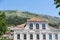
[31, 26]
[43, 26]
[37, 26]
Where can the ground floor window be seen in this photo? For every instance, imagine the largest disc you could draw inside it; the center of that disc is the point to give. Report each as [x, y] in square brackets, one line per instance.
[18, 36]
[37, 36]
[56, 36]
[44, 37]
[24, 36]
[50, 36]
[31, 36]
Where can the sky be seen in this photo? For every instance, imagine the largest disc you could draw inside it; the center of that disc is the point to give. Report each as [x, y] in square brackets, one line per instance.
[46, 7]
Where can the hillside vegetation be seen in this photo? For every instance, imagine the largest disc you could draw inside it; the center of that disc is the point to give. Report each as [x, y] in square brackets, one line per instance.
[15, 17]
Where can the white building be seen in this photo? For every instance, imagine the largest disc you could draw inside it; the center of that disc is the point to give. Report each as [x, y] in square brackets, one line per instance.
[36, 29]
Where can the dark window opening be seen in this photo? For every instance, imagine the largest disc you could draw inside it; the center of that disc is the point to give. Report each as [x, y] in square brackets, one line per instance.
[50, 36]
[18, 36]
[37, 26]
[31, 26]
[37, 36]
[44, 36]
[56, 36]
[31, 36]
[43, 26]
[24, 36]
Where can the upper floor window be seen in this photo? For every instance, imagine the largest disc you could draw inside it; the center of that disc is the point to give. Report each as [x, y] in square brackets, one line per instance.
[24, 36]
[37, 26]
[44, 37]
[31, 36]
[56, 36]
[50, 36]
[31, 26]
[18, 36]
[43, 26]
[37, 36]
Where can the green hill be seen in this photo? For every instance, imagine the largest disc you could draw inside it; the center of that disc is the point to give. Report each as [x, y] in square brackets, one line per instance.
[15, 17]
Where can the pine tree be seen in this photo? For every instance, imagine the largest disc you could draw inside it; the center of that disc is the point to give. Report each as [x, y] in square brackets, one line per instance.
[3, 22]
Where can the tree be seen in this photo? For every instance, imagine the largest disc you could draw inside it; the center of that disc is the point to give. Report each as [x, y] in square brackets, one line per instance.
[3, 22]
[57, 3]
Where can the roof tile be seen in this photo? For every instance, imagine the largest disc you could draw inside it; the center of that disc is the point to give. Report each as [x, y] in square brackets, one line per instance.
[37, 19]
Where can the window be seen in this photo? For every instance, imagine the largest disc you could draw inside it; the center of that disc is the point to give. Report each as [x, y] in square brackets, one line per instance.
[43, 26]
[18, 36]
[37, 26]
[37, 36]
[44, 37]
[50, 36]
[31, 36]
[31, 26]
[24, 36]
[56, 36]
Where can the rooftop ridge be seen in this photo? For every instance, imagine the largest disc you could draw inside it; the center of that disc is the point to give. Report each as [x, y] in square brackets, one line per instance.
[37, 19]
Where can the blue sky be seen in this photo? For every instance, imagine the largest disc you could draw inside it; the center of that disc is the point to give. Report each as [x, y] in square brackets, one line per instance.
[46, 7]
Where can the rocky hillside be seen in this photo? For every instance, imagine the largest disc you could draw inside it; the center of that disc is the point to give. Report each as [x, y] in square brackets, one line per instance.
[15, 17]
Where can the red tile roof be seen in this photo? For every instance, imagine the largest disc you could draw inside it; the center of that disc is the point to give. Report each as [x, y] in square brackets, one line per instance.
[37, 19]
[21, 26]
[32, 19]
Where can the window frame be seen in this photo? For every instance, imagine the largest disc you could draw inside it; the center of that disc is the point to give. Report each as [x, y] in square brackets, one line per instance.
[43, 26]
[56, 36]
[37, 26]
[31, 36]
[25, 36]
[50, 36]
[30, 26]
[37, 36]
[44, 36]
[18, 36]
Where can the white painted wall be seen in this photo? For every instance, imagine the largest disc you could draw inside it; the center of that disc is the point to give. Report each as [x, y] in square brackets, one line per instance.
[27, 31]
[34, 25]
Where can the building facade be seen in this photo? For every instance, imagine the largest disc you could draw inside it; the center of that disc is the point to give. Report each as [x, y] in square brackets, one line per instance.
[36, 29]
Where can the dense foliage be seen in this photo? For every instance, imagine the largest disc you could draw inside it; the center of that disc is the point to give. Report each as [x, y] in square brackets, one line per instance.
[3, 27]
[54, 25]
[14, 18]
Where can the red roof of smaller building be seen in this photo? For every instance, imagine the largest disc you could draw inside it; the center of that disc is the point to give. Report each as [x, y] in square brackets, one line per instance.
[21, 26]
